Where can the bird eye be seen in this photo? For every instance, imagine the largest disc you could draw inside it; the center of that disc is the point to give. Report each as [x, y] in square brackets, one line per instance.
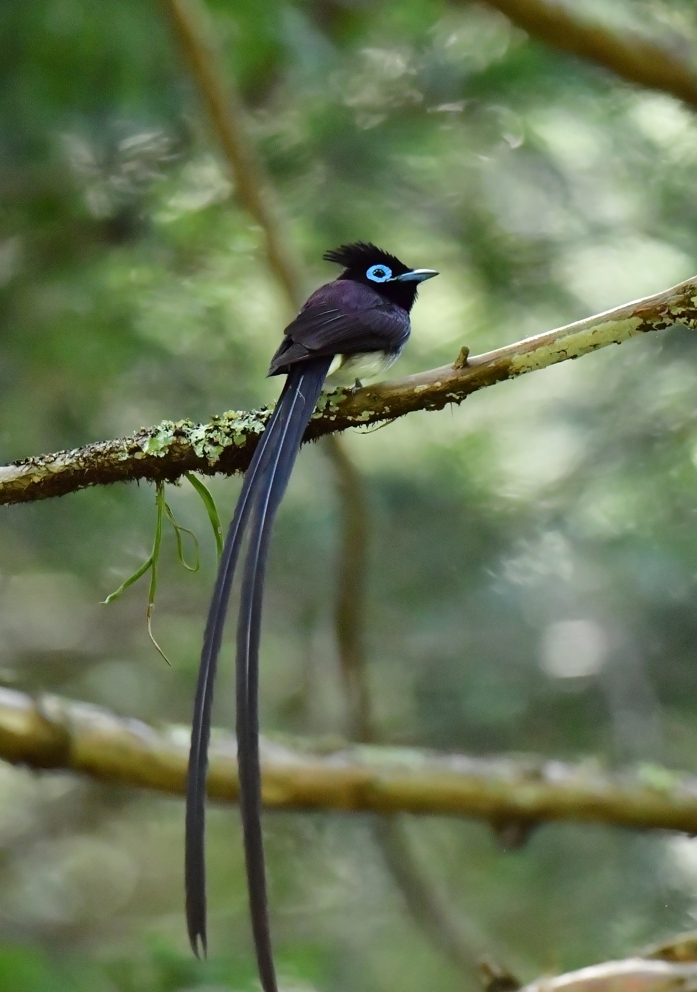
[379, 273]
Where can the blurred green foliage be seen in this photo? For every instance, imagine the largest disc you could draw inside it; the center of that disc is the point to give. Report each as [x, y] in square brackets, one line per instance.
[534, 553]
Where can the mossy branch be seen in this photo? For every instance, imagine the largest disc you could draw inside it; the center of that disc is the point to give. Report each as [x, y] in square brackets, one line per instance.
[171, 449]
[52, 733]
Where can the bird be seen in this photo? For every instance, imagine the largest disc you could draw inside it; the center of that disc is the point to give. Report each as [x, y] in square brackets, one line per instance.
[351, 328]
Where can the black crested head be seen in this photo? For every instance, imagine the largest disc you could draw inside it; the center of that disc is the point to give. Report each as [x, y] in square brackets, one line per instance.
[359, 256]
[366, 263]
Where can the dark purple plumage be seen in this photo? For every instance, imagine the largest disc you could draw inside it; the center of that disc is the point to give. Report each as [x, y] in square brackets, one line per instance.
[360, 317]
[342, 317]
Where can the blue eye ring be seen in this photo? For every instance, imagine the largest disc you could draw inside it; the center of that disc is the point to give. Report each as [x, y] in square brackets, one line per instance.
[379, 273]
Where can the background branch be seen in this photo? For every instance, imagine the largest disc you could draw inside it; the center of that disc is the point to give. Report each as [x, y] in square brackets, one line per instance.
[194, 33]
[53, 733]
[349, 608]
[169, 450]
[452, 933]
[455, 934]
[629, 975]
[629, 56]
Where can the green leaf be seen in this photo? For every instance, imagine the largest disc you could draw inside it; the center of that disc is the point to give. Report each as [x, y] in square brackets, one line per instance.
[139, 572]
[151, 563]
[178, 531]
[161, 509]
[211, 509]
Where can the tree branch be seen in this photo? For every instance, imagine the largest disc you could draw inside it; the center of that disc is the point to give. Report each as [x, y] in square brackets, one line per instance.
[170, 449]
[451, 932]
[350, 599]
[665, 967]
[629, 975]
[629, 56]
[228, 119]
[52, 733]
[457, 936]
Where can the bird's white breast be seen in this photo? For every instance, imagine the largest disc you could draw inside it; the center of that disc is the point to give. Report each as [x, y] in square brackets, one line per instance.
[346, 369]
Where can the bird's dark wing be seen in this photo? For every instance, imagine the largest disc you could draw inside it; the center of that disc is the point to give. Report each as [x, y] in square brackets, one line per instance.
[324, 330]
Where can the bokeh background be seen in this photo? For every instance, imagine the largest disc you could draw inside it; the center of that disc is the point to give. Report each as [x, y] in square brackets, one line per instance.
[533, 553]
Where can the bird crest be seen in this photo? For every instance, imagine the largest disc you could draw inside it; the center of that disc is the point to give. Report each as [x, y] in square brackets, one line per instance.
[361, 255]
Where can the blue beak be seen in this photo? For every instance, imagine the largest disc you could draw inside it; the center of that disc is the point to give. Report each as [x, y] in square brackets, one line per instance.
[416, 275]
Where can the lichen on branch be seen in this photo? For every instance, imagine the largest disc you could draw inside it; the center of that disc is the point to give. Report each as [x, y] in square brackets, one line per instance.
[171, 449]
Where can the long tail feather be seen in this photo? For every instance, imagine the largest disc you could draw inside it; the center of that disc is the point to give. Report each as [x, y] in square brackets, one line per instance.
[255, 483]
[195, 875]
[299, 399]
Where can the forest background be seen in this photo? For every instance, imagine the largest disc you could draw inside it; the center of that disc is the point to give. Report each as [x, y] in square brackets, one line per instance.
[531, 576]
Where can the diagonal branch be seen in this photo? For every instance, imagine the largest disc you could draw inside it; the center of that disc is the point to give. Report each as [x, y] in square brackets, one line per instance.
[629, 56]
[171, 449]
[456, 935]
[190, 22]
[54, 733]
